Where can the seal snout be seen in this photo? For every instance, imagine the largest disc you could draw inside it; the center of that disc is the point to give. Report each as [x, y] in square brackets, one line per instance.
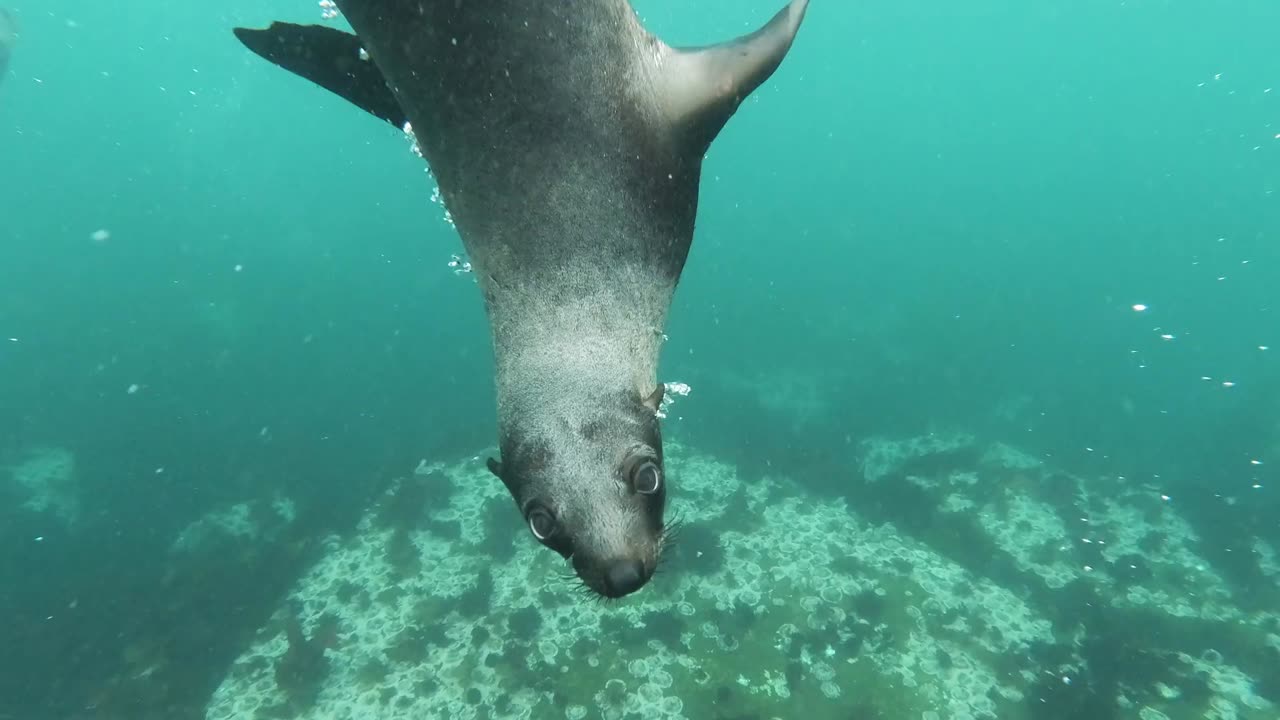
[623, 577]
[613, 576]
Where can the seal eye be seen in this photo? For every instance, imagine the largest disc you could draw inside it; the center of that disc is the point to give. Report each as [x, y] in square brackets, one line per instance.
[542, 523]
[647, 478]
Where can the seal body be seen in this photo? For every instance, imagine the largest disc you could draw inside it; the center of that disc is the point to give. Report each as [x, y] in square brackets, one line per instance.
[567, 143]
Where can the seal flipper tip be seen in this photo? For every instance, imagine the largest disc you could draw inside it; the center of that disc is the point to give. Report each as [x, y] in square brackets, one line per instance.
[329, 58]
[703, 87]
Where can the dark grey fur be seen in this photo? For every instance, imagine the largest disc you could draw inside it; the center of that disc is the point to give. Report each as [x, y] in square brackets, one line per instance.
[567, 143]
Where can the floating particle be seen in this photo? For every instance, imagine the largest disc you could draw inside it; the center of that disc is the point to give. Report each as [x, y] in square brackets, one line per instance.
[1264, 347]
[1139, 307]
[1228, 383]
[1166, 336]
[1255, 462]
[1165, 498]
[239, 267]
[133, 389]
[100, 236]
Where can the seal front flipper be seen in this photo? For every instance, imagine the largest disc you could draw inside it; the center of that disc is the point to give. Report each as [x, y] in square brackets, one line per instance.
[701, 88]
[330, 58]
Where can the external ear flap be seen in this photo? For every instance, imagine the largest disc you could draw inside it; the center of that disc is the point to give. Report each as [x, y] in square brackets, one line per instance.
[654, 401]
[495, 467]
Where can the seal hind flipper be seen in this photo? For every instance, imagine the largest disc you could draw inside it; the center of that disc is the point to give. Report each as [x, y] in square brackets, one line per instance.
[329, 58]
[703, 87]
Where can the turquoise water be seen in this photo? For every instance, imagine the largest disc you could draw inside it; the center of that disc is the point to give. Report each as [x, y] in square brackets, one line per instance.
[221, 287]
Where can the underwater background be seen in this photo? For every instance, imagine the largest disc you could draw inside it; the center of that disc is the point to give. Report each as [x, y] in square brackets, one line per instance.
[980, 323]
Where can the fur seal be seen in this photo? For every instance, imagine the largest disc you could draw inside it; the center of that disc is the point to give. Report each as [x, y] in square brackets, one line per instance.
[8, 37]
[567, 143]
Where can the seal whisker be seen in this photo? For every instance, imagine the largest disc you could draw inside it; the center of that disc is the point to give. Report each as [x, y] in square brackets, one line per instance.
[569, 578]
[670, 535]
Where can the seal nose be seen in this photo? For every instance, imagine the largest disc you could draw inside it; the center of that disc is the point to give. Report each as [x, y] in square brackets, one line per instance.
[624, 577]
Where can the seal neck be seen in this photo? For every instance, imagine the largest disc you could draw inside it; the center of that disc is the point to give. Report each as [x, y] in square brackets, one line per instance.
[574, 354]
[582, 362]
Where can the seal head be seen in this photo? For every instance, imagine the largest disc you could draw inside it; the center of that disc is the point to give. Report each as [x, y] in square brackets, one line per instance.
[602, 509]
